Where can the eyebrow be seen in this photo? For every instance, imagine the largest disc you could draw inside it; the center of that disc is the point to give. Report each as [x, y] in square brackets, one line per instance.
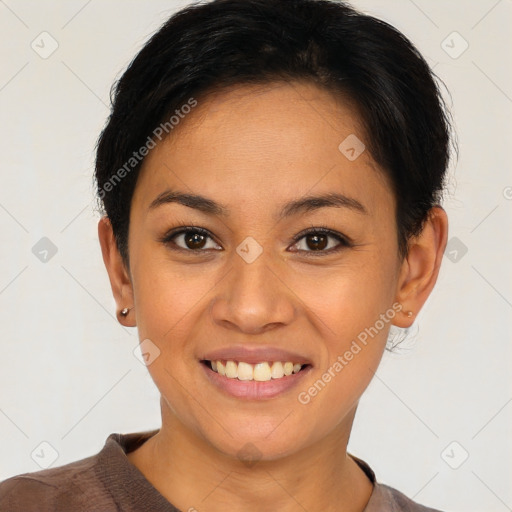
[302, 205]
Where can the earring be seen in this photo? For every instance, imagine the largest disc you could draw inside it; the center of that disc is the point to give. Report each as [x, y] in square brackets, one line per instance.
[409, 314]
[124, 311]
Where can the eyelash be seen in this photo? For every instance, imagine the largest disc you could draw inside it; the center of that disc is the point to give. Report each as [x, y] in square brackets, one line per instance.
[344, 242]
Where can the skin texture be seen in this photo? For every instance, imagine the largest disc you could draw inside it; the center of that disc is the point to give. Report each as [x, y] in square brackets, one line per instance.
[252, 149]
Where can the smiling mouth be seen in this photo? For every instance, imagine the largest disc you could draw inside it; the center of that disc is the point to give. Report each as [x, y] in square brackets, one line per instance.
[261, 372]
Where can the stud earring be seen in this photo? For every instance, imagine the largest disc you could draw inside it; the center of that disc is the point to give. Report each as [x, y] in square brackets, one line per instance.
[124, 311]
[409, 314]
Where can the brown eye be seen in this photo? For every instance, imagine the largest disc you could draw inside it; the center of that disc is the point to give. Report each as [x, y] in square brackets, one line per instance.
[316, 242]
[190, 240]
[194, 240]
[319, 240]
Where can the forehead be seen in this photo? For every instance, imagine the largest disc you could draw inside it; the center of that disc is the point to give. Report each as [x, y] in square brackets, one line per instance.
[257, 145]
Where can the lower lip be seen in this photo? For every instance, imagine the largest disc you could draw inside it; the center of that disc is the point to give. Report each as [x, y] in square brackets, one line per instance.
[252, 389]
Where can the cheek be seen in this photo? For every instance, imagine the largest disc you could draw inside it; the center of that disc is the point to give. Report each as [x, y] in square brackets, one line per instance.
[349, 297]
[352, 310]
[351, 336]
[167, 297]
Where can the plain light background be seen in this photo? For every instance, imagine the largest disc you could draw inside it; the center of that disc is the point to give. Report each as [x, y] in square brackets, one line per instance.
[68, 373]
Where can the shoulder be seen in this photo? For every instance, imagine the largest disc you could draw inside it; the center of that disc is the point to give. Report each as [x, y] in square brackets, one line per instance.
[105, 481]
[387, 498]
[67, 487]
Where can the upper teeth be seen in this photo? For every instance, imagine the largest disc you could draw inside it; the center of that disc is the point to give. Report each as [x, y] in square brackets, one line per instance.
[259, 371]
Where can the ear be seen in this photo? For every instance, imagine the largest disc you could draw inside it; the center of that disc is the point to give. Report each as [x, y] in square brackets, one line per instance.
[119, 276]
[420, 268]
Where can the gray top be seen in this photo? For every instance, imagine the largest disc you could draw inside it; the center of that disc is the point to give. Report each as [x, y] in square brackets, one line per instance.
[109, 482]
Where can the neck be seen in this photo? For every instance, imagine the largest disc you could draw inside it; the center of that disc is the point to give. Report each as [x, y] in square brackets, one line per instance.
[193, 475]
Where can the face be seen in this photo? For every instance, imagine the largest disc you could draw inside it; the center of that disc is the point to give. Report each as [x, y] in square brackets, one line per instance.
[246, 277]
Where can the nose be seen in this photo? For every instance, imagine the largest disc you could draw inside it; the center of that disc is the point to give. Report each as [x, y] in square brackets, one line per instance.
[253, 298]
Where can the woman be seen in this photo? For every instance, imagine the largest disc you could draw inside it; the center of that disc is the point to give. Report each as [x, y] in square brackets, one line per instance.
[270, 177]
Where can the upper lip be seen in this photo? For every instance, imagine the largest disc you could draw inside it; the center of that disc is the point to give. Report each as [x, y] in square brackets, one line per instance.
[254, 355]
